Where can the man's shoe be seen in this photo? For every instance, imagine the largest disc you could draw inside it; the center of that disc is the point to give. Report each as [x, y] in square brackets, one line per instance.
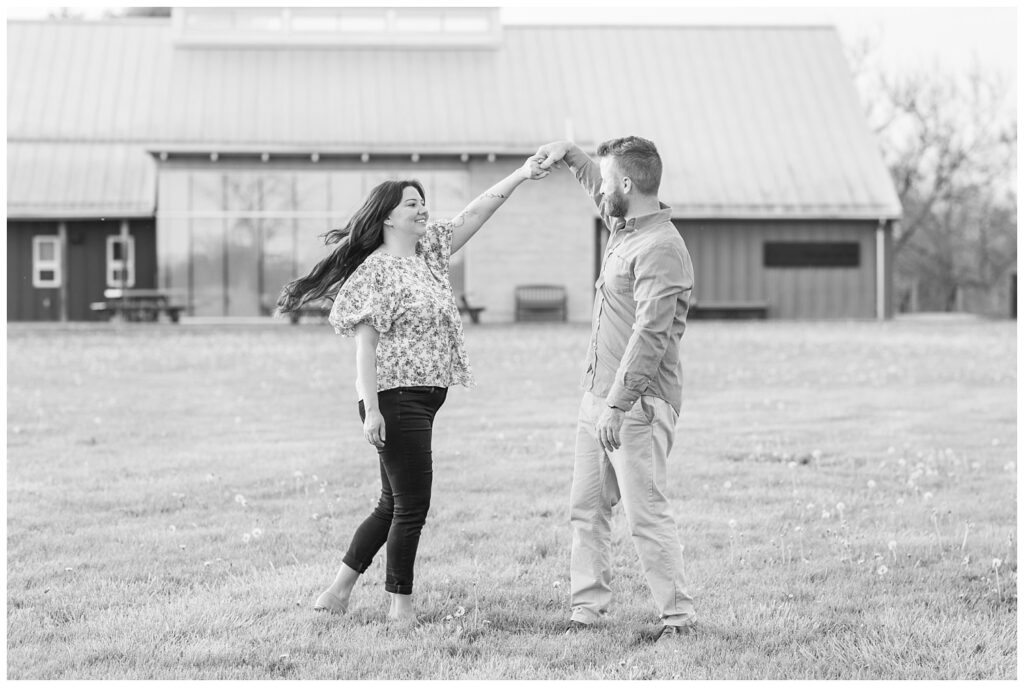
[669, 632]
[575, 626]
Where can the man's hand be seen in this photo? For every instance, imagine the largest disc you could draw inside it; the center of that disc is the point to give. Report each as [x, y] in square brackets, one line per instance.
[608, 426]
[553, 152]
[531, 169]
[373, 428]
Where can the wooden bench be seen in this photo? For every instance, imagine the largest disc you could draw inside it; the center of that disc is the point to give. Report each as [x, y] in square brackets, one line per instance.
[547, 302]
[728, 310]
[466, 308]
[139, 305]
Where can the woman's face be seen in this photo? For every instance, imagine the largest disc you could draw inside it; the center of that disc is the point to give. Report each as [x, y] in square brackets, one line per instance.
[410, 217]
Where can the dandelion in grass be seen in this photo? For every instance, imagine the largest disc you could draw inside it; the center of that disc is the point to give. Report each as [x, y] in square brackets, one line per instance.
[872, 484]
[459, 612]
[798, 530]
[257, 533]
[727, 485]
[732, 541]
[556, 584]
[882, 570]
[240, 500]
[928, 496]
[825, 515]
[996, 564]
[246, 537]
[899, 501]
[967, 529]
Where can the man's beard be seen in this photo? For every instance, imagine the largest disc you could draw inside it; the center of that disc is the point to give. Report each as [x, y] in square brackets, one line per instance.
[615, 204]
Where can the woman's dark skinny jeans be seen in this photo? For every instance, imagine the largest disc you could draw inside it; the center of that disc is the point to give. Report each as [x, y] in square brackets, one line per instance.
[406, 473]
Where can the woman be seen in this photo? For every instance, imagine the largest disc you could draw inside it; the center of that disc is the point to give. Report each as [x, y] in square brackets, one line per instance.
[395, 297]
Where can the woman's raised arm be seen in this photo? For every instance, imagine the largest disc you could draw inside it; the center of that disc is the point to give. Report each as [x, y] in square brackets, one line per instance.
[469, 221]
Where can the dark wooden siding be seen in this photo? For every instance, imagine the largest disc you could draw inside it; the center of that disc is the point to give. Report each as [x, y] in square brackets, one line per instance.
[24, 302]
[728, 259]
[85, 273]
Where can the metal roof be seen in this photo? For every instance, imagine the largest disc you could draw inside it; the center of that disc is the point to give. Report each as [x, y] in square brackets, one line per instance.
[750, 121]
[79, 180]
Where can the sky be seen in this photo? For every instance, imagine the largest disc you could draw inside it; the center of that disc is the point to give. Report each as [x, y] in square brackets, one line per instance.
[907, 38]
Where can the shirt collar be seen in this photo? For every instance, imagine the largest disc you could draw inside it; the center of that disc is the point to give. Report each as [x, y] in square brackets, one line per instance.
[644, 221]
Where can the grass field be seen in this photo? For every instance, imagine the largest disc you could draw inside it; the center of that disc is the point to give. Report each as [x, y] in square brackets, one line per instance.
[178, 495]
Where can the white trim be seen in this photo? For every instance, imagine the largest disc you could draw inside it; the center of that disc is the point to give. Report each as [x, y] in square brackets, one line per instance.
[51, 265]
[880, 270]
[126, 264]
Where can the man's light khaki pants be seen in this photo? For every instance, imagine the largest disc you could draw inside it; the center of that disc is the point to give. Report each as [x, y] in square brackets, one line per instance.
[634, 474]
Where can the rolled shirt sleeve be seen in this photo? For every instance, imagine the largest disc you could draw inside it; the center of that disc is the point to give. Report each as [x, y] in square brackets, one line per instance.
[587, 173]
[662, 287]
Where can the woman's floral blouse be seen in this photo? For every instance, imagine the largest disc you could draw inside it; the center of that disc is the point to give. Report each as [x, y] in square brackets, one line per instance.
[410, 302]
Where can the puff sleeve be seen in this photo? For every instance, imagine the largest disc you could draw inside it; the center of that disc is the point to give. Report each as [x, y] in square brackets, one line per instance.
[365, 297]
[436, 246]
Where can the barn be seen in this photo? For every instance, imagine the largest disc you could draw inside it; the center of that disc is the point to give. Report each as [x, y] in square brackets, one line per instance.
[206, 152]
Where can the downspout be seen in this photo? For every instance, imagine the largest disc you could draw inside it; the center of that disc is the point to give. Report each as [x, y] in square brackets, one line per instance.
[880, 294]
[62, 239]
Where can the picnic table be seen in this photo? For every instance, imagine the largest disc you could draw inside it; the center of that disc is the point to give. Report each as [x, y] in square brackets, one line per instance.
[318, 308]
[139, 305]
[473, 311]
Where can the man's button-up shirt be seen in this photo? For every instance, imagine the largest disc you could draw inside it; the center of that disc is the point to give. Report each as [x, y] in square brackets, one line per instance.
[640, 307]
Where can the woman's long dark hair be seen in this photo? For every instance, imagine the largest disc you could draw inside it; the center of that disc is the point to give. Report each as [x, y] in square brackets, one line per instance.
[356, 240]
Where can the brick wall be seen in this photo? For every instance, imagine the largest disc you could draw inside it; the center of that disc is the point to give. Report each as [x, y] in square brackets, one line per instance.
[543, 234]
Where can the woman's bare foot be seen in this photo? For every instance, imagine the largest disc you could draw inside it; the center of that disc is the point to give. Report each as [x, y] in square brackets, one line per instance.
[329, 601]
[401, 611]
[335, 599]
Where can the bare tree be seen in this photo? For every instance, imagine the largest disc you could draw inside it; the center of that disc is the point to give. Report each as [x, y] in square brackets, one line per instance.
[942, 138]
[951, 144]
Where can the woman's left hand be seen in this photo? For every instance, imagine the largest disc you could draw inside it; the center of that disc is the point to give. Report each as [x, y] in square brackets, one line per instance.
[531, 169]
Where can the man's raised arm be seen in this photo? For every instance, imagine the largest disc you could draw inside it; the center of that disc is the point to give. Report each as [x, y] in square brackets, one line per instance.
[585, 169]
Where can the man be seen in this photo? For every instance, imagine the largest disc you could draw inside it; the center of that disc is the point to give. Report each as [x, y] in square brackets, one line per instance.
[632, 383]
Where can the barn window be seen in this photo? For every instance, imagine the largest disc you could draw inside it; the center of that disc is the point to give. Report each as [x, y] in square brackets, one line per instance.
[811, 254]
[120, 261]
[46, 272]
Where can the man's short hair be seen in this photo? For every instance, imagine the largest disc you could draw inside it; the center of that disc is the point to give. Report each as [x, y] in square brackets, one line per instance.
[638, 159]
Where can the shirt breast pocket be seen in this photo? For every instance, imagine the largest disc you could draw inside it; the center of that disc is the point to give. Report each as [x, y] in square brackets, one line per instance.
[618, 276]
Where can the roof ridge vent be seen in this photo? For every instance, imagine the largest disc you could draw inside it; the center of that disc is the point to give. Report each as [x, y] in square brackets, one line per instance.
[337, 27]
